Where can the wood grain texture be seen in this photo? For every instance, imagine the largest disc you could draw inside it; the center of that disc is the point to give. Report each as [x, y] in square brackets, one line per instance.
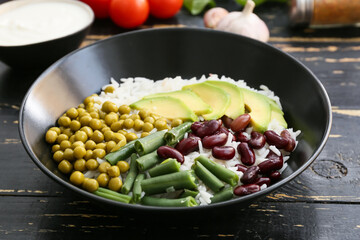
[52, 218]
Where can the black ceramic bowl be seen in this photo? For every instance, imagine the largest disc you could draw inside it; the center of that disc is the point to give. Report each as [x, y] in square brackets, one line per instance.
[185, 52]
[43, 53]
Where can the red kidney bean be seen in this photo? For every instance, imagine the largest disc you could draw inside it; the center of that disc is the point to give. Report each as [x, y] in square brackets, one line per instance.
[241, 122]
[195, 126]
[192, 135]
[226, 131]
[257, 140]
[274, 175]
[241, 168]
[250, 175]
[291, 145]
[246, 189]
[273, 138]
[188, 145]
[214, 140]
[223, 152]
[165, 152]
[274, 162]
[263, 180]
[241, 137]
[273, 156]
[208, 128]
[227, 121]
[246, 153]
[223, 129]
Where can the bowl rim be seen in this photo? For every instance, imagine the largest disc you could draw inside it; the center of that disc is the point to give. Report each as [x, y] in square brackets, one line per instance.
[83, 5]
[144, 208]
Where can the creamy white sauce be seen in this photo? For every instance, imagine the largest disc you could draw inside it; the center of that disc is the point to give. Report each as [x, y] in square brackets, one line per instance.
[31, 21]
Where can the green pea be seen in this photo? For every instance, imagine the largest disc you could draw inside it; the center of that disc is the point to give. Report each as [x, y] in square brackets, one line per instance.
[149, 120]
[109, 89]
[90, 185]
[124, 109]
[64, 121]
[130, 136]
[103, 179]
[79, 152]
[91, 164]
[176, 122]
[58, 156]
[81, 136]
[79, 165]
[85, 120]
[77, 178]
[97, 136]
[65, 166]
[90, 145]
[61, 138]
[128, 123]
[111, 118]
[95, 124]
[65, 144]
[138, 124]
[68, 132]
[88, 100]
[75, 125]
[72, 113]
[143, 113]
[51, 136]
[55, 148]
[147, 127]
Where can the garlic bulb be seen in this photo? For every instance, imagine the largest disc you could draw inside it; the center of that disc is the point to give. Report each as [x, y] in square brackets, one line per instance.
[213, 16]
[245, 23]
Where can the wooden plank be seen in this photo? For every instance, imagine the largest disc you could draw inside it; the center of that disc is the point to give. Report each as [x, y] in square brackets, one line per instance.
[50, 218]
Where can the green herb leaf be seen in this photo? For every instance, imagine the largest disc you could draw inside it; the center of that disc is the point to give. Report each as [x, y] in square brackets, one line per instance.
[243, 2]
[195, 7]
[258, 2]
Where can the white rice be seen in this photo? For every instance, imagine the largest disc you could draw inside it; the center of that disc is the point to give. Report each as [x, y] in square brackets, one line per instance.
[129, 90]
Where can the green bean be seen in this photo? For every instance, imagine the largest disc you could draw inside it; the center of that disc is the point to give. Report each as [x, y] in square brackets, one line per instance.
[223, 195]
[170, 165]
[137, 190]
[188, 193]
[147, 161]
[165, 202]
[121, 154]
[177, 133]
[219, 171]
[109, 194]
[149, 143]
[207, 177]
[176, 181]
[130, 177]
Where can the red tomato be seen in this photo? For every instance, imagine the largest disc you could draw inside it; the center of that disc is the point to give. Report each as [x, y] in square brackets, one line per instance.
[164, 8]
[129, 13]
[100, 7]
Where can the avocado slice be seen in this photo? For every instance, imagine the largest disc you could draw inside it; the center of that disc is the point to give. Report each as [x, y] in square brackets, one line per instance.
[275, 115]
[217, 98]
[259, 109]
[193, 101]
[237, 106]
[167, 107]
[274, 106]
